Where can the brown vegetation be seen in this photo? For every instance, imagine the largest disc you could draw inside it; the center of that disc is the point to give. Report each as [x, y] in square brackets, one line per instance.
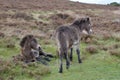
[9, 68]
[49, 5]
[22, 16]
[92, 49]
[18, 58]
[115, 52]
[2, 35]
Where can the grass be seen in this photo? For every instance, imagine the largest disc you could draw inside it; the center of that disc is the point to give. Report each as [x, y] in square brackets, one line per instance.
[10, 70]
[99, 66]
[96, 67]
[21, 71]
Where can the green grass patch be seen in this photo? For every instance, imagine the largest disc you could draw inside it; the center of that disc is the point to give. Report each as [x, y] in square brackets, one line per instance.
[99, 66]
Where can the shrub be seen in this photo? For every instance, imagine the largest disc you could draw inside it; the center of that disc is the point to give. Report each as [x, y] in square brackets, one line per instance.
[115, 52]
[116, 36]
[24, 16]
[4, 16]
[2, 35]
[92, 49]
[110, 47]
[114, 4]
[61, 18]
[113, 36]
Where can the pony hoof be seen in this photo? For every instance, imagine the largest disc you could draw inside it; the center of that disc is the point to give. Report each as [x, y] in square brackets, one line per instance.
[60, 72]
[80, 61]
[71, 59]
[67, 67]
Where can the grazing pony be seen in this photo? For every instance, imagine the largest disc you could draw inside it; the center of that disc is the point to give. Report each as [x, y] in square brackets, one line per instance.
[68, 36]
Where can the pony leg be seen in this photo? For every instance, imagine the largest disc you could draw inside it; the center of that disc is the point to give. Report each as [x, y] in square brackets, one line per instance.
[61, 64]
[67, 60]
[71, 54]
[78, 53]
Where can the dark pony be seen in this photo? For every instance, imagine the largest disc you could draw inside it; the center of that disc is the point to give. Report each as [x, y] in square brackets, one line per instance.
[31, 50]
[68, 36]
[28, 43]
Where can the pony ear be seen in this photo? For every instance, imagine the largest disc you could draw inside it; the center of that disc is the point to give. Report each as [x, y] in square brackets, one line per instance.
[82, 20]
[27, 37]
[22, 42]
[88, 18]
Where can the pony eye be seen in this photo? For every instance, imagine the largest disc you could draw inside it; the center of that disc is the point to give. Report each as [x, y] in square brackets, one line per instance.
[83, 21]
[34, 40]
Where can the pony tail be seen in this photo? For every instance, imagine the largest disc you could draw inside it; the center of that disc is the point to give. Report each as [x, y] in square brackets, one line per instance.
[62, 42]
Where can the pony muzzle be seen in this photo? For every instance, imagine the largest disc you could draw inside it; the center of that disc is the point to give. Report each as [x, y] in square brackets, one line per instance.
[85, 32]
[90, 31]
[39, 47]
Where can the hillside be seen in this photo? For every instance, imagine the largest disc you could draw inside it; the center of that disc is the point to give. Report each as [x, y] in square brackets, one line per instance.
[49, 5]
[29, 13]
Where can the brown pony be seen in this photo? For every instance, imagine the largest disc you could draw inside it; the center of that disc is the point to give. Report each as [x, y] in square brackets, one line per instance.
[68, 36]
[31, 50]
[27, 44]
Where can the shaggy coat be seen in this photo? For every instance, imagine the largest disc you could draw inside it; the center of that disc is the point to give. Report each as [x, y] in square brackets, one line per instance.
[68, 36]
[27, 44]
[31, 50]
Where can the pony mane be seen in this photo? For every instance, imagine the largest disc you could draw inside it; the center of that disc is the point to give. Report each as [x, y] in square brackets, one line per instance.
[24, 39]
[79, 21]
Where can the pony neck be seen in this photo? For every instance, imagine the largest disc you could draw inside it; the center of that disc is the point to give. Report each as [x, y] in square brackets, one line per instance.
[27, 46]
[76, 26]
